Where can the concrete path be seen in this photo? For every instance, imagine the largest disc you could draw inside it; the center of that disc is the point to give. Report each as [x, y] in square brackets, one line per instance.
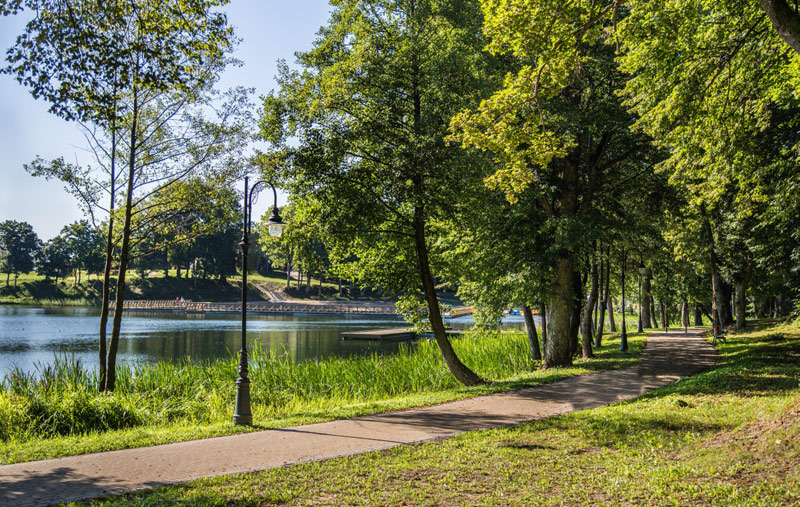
[667, 358]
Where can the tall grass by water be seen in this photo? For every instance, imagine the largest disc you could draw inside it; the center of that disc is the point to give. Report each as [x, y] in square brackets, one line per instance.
[61, 399]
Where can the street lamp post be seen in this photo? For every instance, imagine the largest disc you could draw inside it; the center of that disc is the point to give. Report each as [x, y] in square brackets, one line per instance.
[241, 414]
[623, 344]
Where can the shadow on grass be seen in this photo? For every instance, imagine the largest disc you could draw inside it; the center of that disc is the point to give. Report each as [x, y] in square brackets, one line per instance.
[527, 446]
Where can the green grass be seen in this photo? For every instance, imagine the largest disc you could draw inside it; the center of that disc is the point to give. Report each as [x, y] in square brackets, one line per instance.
[729, 436]
[58, 412]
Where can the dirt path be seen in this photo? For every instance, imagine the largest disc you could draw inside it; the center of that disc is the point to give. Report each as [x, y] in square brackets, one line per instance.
[667, 358]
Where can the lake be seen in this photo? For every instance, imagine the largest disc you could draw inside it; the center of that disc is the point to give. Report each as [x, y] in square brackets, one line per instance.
[30, 335]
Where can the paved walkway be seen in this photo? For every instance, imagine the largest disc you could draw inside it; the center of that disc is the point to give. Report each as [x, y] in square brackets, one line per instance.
[667, 358]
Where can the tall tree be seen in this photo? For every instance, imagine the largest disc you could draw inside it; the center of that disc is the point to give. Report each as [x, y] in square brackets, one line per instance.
[83, 242]
[54, 259]
[571, 153]
[20, 245]
[370, 109]
[129, 69]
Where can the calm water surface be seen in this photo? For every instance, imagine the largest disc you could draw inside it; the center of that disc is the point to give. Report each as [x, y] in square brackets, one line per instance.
[31, 335]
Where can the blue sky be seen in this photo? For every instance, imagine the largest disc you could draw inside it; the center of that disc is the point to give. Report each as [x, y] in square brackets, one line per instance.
[270, 30]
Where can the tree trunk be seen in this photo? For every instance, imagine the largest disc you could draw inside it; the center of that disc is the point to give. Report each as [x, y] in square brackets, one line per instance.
[685, 314]
[785, 20]
[645, 304]
[533, 339]
[577, 307]
[698, 316]
[308, 282]
[319, 292]
[106, 296]
[560, 302]
[717, 283]
[611, 322]
[727, 294]
[339, 281]
[459, 370]
[543, 312]
[8, 278]
[598, 342]
[741, 299]
[599, 298]
[586, 325]
[111, 361]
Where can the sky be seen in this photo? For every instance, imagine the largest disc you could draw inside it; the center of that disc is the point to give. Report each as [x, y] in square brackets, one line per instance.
[270, 30]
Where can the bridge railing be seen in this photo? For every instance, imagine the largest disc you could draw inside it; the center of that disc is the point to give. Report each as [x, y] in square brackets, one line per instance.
[262, 307]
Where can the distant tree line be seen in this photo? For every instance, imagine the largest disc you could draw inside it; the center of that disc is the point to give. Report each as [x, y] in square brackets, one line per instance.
[77, 248]
[80, 248]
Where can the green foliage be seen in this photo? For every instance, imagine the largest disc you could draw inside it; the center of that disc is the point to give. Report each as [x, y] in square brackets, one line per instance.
[81, 59]
[719, 66]
[544, 36]
[196, 219]
[370, 108]
[19, 245]
[54, 259]
[726, 110]
[86, 246]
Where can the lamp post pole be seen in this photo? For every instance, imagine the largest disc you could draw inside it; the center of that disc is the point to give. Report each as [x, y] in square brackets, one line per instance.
[623, 344]
[241, 414]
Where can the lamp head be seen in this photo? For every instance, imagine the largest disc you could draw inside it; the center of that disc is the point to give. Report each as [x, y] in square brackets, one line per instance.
[275, 224]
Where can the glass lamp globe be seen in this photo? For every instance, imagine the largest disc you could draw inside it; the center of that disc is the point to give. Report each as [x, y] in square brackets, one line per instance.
[275, 224]
[275, 230]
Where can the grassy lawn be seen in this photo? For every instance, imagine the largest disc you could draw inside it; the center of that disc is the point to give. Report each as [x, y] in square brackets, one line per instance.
[59, 413]
[729, 436]
[34, 289]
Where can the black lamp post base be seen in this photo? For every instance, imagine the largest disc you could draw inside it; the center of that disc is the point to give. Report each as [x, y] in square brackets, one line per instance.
[623, 342]
[242, 415]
